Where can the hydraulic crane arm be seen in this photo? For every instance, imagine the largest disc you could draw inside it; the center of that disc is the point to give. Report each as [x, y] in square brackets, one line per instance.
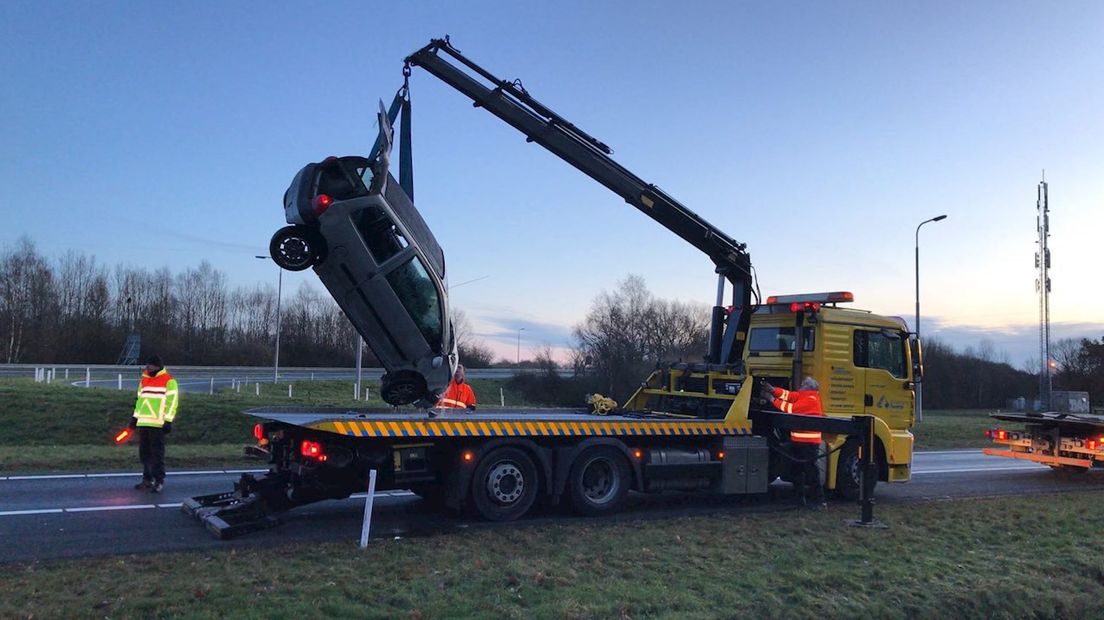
[510, 102]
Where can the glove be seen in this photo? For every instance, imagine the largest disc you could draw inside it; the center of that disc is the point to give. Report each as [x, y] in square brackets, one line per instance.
[133, 422]
[767, 387]
[167, 427]
[471, 407]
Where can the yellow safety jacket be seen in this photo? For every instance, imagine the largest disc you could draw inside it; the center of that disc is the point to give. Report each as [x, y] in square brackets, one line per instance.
[158, 397]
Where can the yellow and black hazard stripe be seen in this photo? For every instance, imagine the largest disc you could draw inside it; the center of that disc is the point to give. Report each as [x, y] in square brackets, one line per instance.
[500, 428]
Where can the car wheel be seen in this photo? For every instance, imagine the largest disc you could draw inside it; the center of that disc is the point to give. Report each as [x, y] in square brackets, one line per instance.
[504, 485]
[848, 472]
[295, 248]
[402, 388]
[599, 481]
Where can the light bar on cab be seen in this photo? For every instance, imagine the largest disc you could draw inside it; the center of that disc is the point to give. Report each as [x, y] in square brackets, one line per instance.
[823, 298]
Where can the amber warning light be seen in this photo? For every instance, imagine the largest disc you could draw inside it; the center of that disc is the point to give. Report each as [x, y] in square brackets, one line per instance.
[123, 435]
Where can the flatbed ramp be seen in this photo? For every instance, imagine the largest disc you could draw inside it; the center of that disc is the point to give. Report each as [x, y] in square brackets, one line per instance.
[504, 423]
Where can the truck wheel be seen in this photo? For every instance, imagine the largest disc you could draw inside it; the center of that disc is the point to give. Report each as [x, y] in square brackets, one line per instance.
[599, 481]
[504, 484]
[295, 248]
[848, 472]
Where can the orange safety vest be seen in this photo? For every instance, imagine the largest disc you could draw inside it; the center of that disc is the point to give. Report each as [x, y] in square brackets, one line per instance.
[802, 402]
[457, 396]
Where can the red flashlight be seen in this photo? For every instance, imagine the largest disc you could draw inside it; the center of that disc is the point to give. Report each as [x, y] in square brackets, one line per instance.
[123, 435]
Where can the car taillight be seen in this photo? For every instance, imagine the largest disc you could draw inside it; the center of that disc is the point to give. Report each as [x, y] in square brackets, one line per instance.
[258, 431]
[321, 203]
[313, 450]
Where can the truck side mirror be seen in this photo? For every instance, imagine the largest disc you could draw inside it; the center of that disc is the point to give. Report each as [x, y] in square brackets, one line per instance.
[917, 352]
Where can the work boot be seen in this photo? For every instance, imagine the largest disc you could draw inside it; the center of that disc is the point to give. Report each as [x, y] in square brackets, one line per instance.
[144, 484]
[157, 487]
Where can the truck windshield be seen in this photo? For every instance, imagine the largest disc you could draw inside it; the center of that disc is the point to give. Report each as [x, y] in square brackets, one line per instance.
[415, 289]
[765, 339]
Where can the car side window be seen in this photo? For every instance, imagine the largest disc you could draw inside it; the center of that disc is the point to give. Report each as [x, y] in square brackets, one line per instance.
[380, 235]
[882, 350]
[413, 286]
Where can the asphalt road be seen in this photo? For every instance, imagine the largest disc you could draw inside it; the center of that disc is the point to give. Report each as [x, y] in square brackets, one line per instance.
[100, 514]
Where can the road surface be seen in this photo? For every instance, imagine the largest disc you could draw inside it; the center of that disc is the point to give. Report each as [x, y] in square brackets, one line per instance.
[79, 515]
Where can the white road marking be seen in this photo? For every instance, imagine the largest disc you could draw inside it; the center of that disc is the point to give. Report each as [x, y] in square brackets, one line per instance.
[131, 474]
[106, 508]
[963, 470]
[42, 511]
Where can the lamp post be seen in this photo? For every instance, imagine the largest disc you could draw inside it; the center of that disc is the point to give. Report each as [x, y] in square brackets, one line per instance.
[520, 329]
[920, 385]
[279, 295]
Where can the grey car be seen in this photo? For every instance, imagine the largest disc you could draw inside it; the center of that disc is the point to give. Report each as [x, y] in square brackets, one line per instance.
[352, 222]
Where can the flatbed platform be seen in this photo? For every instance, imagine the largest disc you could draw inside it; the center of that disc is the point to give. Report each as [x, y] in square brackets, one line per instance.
[380, 422]
[1069, 421]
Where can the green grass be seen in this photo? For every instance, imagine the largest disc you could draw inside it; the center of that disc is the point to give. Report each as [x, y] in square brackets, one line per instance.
[952, 429]
[59, 427]
[998, 558]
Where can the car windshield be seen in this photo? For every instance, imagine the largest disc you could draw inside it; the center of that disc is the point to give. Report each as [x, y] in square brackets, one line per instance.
[413, 286]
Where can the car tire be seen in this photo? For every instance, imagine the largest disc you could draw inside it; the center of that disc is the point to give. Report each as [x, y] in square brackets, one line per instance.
[848, 478]
[599, 481]
[296, 248]
[504, 484]
[402, 388]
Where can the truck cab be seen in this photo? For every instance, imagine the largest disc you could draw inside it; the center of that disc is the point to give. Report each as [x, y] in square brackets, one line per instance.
[864, 364]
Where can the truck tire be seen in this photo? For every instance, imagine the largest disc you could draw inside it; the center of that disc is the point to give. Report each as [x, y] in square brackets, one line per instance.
[599, 481]
[848, 479]
[504, 484]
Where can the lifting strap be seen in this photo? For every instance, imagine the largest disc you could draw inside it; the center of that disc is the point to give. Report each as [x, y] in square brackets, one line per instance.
[400, 105]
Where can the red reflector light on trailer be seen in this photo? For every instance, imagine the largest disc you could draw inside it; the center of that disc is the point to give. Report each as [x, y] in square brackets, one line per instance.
[1093, 444]
[1002, 434]
[313, 450]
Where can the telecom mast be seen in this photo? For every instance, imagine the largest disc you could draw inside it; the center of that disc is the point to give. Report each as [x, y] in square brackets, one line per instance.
[1042, 285]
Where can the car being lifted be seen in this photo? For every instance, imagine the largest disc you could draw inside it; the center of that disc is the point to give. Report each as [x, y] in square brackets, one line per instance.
[356, 226]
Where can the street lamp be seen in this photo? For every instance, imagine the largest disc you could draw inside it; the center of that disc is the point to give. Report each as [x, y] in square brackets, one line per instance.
[279, 294]
[520, 329]
[920, 385]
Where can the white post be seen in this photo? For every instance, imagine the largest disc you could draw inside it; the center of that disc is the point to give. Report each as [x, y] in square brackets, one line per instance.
[239, 387]
[87, 377]
[355, 394]
[53, 374]
[66, 374]
[368, 501]
[120, 381]
[49, 377]
[312, 376]
[366, 392]
[211, 390]
[502, 397]
[258, 389]
[289, 390]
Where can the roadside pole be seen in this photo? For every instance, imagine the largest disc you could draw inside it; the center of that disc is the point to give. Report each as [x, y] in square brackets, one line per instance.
[368, 502]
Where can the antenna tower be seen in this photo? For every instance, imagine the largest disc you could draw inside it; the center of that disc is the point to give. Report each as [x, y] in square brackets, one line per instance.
[1042, 285]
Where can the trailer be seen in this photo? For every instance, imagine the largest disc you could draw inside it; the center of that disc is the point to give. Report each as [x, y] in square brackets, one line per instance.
[499, 464]
[1067, 442]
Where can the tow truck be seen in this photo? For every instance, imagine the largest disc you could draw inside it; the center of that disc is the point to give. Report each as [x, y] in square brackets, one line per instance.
[691, 426]
[1066, 442]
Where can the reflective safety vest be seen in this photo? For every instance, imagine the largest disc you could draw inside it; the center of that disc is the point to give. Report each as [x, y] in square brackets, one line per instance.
[457, 396]
[158, 397]
[802, 402]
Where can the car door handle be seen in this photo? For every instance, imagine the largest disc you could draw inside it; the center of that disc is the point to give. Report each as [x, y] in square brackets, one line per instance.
[868, 400]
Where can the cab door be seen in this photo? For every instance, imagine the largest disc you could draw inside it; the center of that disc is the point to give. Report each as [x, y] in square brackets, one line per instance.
[881, 366]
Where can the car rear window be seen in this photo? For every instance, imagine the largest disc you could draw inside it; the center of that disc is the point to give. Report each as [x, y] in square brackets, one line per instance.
[415, 289]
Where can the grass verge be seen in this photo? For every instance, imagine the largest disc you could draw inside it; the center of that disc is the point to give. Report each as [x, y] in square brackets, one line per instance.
[951, 429]
[1008, 557]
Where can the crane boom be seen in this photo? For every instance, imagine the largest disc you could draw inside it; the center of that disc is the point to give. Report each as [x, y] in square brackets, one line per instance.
[510, 102]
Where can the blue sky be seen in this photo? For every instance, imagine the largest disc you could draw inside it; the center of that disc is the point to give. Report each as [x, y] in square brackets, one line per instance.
[819, 133]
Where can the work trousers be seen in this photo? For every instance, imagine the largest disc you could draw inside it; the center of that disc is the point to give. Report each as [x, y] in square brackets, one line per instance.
[811, 479]
[151, 450]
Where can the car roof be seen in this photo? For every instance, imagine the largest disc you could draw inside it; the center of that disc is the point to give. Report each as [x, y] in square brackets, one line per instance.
[415, 225]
